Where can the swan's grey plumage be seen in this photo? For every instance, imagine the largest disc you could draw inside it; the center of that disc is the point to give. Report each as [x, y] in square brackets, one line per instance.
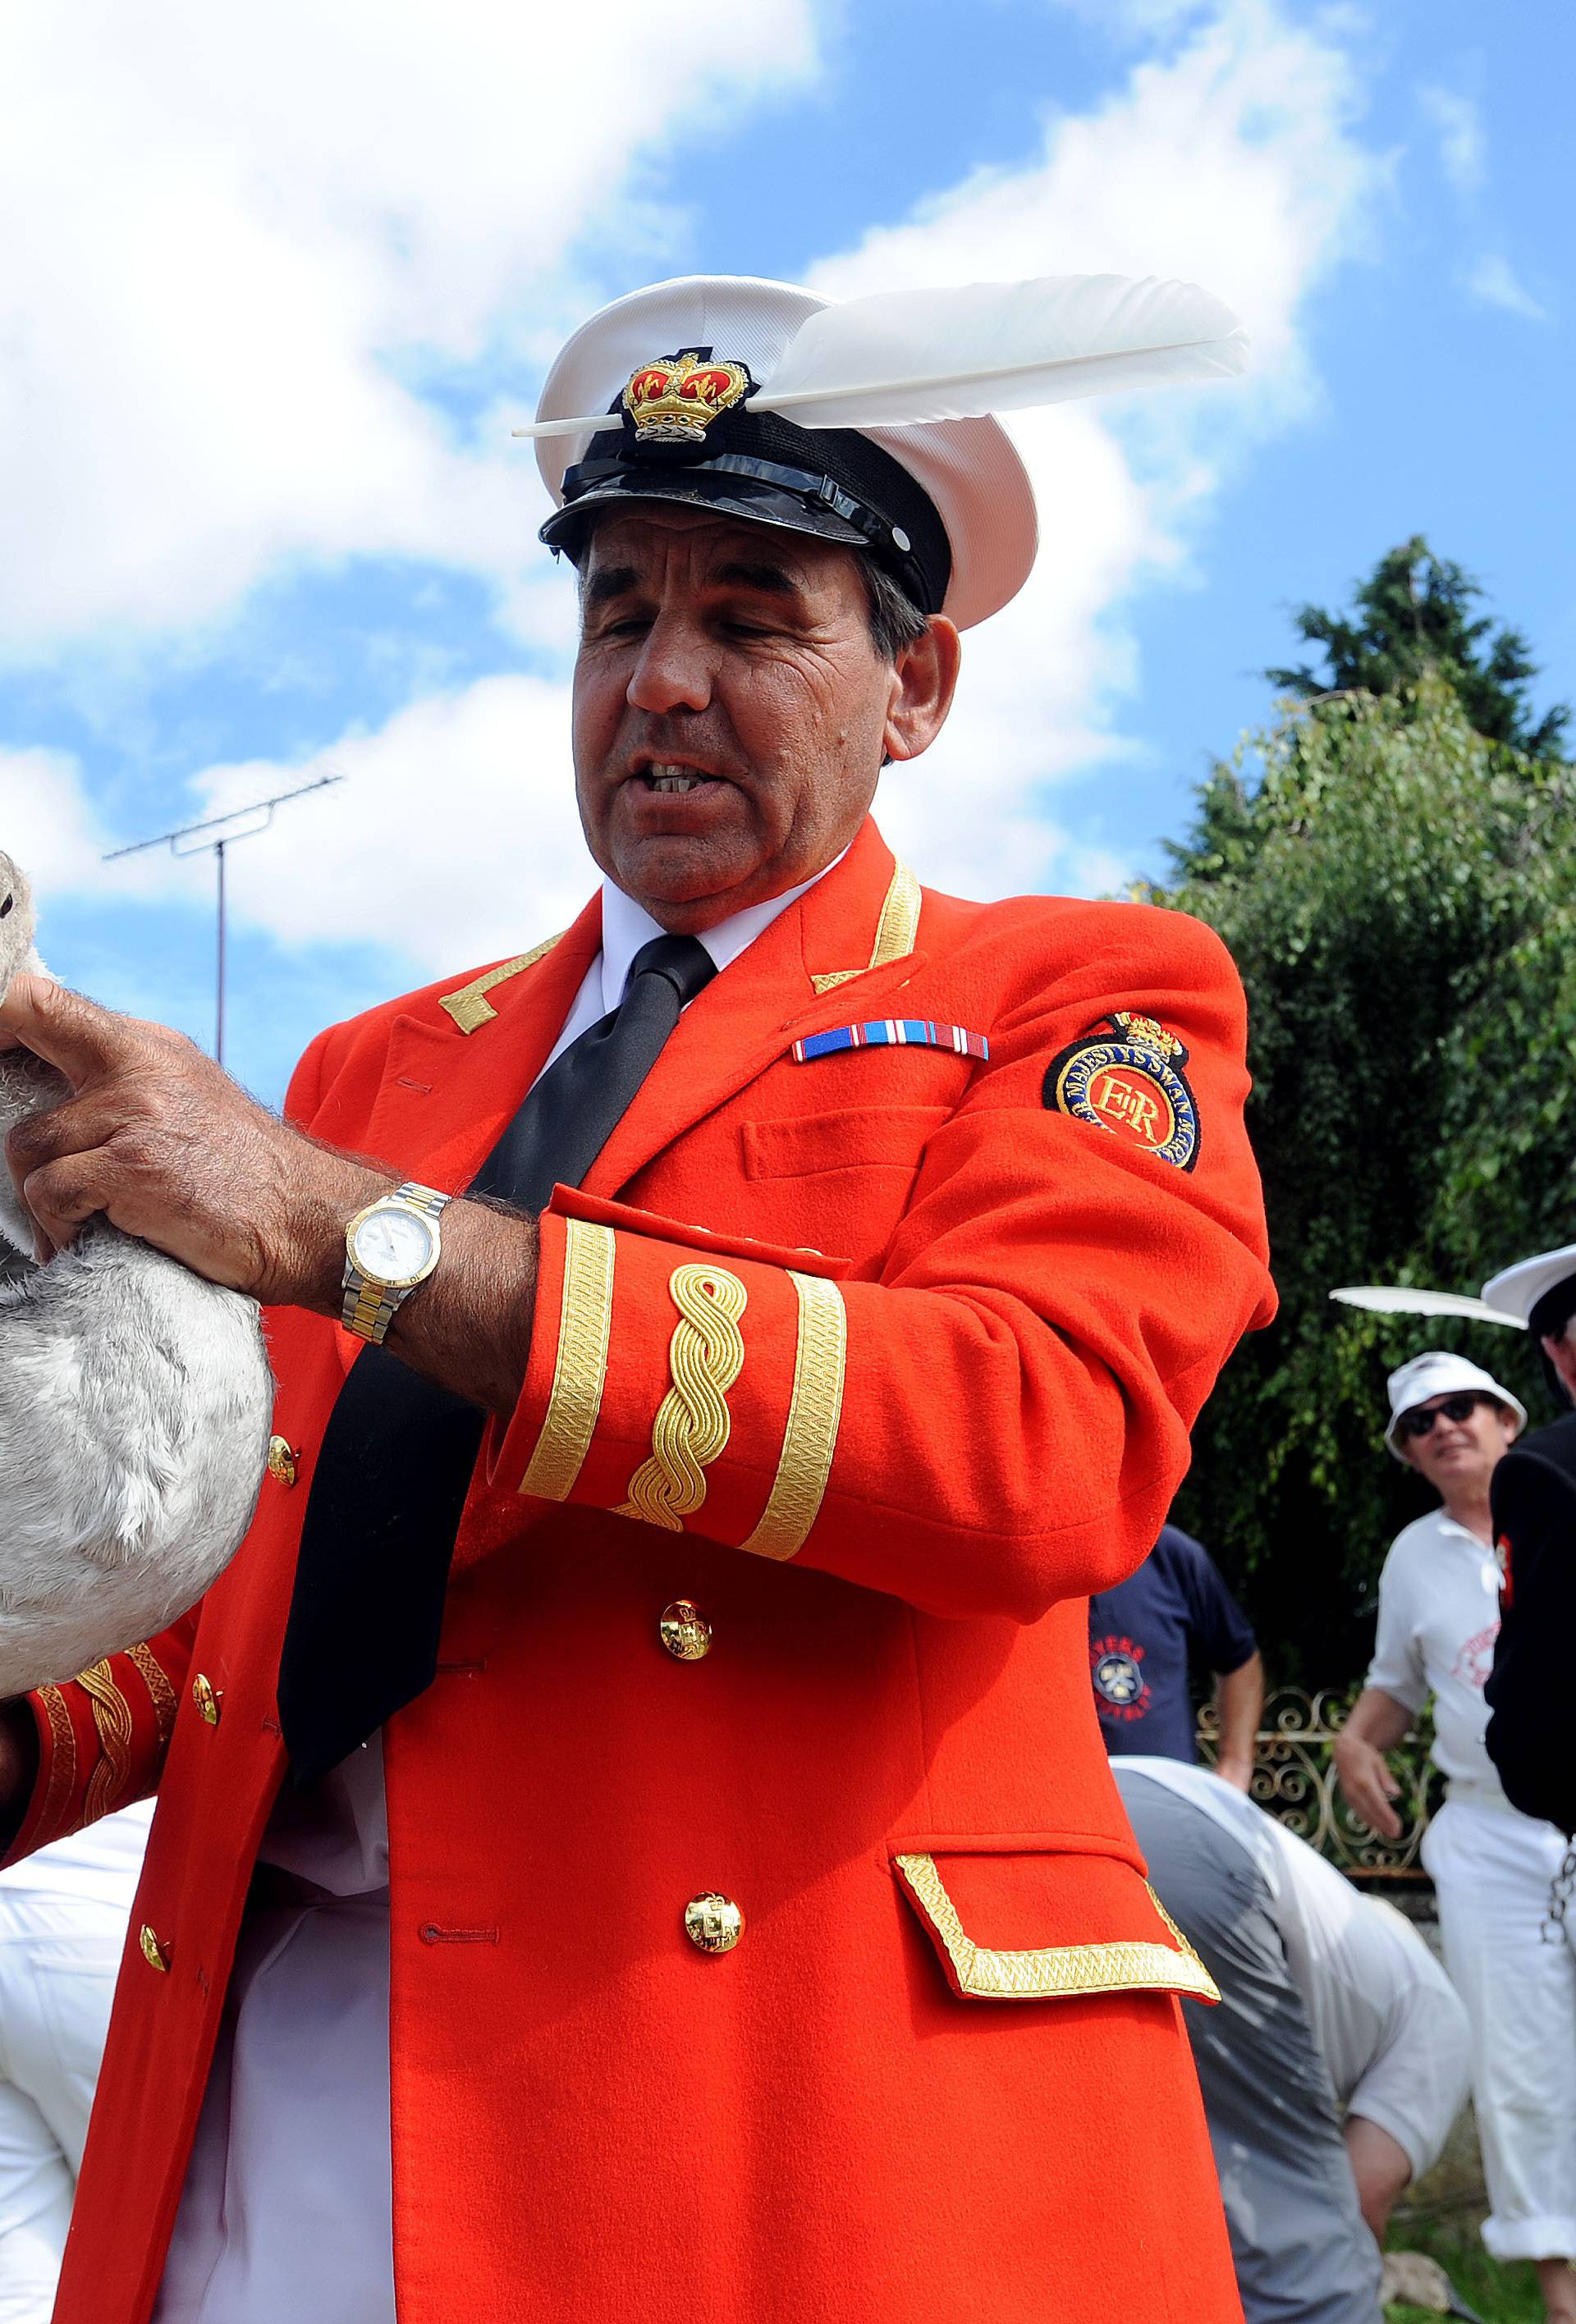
[135, 1403]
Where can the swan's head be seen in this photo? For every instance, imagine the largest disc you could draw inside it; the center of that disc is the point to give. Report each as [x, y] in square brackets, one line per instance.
[17, 921]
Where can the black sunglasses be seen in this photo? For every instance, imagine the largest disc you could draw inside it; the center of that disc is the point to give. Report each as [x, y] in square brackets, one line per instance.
[1454, 1408]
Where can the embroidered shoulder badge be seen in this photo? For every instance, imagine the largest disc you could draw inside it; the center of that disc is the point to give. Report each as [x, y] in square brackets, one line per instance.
[1126, 1075]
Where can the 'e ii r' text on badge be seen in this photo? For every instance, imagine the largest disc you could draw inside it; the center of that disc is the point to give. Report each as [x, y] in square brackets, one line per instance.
[1124, 1075]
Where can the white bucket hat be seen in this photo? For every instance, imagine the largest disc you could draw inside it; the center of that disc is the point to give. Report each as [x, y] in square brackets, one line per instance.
[1438, 1373]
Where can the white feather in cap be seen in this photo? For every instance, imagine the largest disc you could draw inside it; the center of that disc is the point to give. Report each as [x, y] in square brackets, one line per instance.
[918, 372]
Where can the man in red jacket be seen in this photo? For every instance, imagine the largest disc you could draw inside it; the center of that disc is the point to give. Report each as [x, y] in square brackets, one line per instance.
[634, 1837]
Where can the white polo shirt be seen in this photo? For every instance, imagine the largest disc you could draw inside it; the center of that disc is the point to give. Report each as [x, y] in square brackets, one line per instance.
[1439, 1616]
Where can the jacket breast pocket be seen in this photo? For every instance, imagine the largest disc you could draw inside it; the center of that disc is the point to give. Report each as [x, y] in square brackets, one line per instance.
[1036, 1925]
[873, 1138]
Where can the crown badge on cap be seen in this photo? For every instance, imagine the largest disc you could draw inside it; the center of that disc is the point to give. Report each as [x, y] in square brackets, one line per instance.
[675, 398]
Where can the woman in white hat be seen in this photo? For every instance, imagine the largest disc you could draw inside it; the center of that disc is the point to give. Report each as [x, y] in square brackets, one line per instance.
[1491, 1866]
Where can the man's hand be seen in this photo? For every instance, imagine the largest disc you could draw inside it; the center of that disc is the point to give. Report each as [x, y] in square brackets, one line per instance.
[1367, 1784]
[159, 1139]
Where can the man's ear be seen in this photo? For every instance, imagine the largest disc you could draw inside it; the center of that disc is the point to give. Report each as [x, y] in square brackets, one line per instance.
[926, 678]
[1562, 1356]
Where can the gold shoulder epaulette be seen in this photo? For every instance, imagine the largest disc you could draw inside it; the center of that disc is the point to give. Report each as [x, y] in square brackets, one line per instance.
[896, 931]
[469, 1006]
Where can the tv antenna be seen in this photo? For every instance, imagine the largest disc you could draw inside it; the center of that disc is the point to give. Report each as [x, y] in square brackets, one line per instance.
[212, 836]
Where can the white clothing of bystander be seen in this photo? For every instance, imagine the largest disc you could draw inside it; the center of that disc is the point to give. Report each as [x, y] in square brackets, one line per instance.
[62, 1926]
[1493, 1870]
[1387, 2022]
[1439, 1616]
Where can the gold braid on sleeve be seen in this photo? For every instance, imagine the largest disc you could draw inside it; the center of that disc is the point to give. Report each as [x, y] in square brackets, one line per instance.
[706, 1356]
[580, 1371]
[815, 1408]
[112, 1718]
[161, 1693]
[62, 1776]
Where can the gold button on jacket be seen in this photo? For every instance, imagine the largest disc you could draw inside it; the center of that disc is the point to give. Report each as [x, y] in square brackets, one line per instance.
[280, 1461]
[713, 1924]
[685, 1631]
[155, 1954]
[207, 1699]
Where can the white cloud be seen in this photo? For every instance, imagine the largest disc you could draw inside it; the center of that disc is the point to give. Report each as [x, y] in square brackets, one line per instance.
[1494, 281]
[47, 824]
[236, 241]
[1232, 163]
[451, 836]
[1462, 147]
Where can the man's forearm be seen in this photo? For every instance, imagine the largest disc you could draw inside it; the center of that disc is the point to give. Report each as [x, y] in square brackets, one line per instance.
[1239, 1698]
[1376, 1720]
[1381, 2167]
[468, 1326]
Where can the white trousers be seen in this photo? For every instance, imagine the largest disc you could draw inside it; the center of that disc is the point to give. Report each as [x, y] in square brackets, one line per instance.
[59, 1957]
[1492, 1871]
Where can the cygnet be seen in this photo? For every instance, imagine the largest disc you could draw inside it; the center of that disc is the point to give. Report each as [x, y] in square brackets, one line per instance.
[135, 1404]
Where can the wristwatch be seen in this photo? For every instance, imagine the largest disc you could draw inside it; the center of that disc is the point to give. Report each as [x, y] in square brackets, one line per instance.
[390, 1247]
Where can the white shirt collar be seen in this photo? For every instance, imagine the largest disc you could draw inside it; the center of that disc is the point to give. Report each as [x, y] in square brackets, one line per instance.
[626, 926]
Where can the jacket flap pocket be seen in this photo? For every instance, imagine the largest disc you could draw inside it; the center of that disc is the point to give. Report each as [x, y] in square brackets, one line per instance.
[1035, 1926]
[846, 1140]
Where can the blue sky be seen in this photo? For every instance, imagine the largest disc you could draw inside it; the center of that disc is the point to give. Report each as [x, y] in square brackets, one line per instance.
[269, 306]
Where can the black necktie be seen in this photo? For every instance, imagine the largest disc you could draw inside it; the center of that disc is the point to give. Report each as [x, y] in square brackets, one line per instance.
[398, 1452]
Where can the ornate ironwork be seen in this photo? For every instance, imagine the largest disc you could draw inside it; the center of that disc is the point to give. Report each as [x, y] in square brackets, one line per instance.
[1295, 1778]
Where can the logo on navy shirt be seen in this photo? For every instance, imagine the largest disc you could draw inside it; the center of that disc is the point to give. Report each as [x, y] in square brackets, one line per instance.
[1120, 1692]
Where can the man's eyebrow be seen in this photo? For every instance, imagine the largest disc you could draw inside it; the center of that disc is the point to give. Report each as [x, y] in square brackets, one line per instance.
[609, 581]
[770, 580]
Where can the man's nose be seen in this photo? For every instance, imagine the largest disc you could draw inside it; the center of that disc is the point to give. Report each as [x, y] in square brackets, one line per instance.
[673, 670]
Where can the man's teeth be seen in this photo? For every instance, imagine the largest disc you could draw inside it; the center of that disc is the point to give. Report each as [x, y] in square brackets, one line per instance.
[674, 779]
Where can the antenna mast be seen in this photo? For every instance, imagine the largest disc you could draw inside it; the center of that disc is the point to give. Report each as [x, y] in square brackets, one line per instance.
[241, 823]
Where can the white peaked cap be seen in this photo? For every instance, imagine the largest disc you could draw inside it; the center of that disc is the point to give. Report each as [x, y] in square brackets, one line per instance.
[1516, 1290]
[919, 374]
[1439, 1374]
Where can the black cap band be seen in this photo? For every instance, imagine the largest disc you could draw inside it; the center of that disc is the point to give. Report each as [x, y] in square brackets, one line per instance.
[833, 482]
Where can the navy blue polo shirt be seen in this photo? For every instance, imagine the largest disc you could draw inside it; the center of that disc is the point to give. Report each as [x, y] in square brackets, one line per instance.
[1143, 1636]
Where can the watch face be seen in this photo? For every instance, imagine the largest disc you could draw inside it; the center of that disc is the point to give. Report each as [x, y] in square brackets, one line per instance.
[392, 1246]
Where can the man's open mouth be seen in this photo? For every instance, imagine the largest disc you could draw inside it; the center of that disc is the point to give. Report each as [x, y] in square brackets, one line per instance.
[672, 775]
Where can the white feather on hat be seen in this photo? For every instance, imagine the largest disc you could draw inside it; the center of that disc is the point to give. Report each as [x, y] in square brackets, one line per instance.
[921, 373]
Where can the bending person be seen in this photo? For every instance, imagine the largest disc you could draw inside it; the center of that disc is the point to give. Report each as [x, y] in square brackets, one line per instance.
[1337, 2062]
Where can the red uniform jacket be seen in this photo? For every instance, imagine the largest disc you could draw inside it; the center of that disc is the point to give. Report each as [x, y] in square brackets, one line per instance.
[883, 1360]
